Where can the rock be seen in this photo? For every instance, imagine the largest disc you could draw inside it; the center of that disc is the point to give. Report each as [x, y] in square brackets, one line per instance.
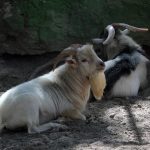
[36, 27]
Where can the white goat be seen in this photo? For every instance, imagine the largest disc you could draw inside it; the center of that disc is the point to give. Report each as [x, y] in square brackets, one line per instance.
[62, 92]
[125, 69]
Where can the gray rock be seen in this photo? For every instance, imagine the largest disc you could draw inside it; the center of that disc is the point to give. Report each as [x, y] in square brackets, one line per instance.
[36, 27]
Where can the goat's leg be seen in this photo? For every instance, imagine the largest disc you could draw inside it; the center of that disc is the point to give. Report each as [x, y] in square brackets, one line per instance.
[44, 127]
[35, 127]
[74, 114]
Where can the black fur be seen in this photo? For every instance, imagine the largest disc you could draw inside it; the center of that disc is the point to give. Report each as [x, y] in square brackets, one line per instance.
[122, 67]
[125, 65]
[129, 50]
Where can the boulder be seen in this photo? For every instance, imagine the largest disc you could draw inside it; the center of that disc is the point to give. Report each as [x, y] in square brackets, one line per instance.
[39, 26]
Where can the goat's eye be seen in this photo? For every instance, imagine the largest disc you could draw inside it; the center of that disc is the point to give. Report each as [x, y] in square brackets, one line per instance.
[84, 60]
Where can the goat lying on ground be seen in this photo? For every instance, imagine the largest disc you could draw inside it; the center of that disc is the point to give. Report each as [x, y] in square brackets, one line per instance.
[62, 92]
[125, 69]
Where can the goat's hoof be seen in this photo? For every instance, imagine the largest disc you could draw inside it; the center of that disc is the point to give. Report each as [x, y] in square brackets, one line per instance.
[83, 117]
[33, 131]
[64, 127]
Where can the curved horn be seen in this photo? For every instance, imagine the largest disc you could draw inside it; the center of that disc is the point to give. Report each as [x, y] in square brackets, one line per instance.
[66, 52]
[129, 27]
[72, 50]
[111, 34]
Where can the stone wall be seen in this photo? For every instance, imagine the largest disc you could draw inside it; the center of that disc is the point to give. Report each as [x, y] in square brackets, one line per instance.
[39, 26]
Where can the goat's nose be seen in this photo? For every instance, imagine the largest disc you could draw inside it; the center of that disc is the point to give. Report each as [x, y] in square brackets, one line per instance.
[101, 65]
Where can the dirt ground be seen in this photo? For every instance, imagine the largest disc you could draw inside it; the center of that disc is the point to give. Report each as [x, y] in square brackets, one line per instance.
[112, 124]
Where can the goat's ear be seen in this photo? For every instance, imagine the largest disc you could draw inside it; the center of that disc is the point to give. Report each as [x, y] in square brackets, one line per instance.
[72, 62]
[126, 31]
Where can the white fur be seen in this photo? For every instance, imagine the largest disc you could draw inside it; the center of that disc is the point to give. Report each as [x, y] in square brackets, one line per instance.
[63, 92]
[129, 85]
[30, 105]
[111, 63]
[126, 86]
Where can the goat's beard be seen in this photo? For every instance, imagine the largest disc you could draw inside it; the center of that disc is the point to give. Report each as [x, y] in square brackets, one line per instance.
[98, 83]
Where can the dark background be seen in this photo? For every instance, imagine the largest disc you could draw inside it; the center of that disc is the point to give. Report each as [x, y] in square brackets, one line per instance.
[39, 26]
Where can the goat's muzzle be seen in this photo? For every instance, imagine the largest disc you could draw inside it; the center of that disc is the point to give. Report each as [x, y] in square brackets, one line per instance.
[100, 66]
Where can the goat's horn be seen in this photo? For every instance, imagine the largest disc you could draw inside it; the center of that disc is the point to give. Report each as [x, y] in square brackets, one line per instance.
[65, 53]
[129, 27]
[111, 34]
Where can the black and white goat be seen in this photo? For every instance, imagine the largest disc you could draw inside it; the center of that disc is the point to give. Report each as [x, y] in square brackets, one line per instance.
[125, 69]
